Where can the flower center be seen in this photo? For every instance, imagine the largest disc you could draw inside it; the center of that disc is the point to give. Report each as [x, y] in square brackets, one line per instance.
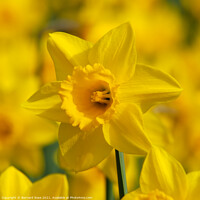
[5, 128]
[89, 96]
[7, 16]
[102, 97]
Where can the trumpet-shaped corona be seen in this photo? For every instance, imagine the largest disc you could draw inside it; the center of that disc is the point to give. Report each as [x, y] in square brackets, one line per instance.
[89, 96]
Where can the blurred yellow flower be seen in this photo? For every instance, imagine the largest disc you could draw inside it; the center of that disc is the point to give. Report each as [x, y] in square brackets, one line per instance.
[21, 141]
[151, 21]
[163, 178]
[21, 17]
[18, 61]
[90, 183]
[106, 88]
[48, 71]
[181, 117]
[14, 184]
[156, 130]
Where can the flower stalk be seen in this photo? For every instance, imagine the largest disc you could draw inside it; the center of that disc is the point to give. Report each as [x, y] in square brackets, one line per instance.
[121, 174]
[109, 190]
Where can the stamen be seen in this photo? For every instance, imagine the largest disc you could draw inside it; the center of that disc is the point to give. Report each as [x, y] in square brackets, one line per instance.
[102, 97]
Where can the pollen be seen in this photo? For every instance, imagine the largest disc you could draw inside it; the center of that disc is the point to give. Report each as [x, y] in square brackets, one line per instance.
[102, 97]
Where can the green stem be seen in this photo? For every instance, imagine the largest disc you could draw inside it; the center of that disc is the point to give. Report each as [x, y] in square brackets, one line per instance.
[109, 190]
[121, 174]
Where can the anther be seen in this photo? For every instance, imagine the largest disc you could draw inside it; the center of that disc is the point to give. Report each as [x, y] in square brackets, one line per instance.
[102, 97]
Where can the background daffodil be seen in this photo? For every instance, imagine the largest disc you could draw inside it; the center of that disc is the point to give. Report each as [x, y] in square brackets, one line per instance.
[89, 183]
[21, 141]
[163, 177]
[14, 183]
[12, 21]
[99, 96]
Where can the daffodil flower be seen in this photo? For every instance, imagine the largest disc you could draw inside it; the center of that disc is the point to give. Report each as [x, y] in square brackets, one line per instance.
[99, 96]
[21, 142]
[163, 178]
[12, 21]
[14, 184]
[89, 183]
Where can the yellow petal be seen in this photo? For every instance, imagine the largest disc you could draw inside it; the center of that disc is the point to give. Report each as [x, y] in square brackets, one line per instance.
[41, 135]
[54, 185]
[153, 195]
[125, 131]
[67, 51]
[135, 195]
[81, 150]
[90, 183]
[30, 160]
[155, 130]
[148, 87]
[46, 102]
[13, 183]
[116, 51]
[130, 196]
[193, 185]
[163, 172]
[108, 167]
